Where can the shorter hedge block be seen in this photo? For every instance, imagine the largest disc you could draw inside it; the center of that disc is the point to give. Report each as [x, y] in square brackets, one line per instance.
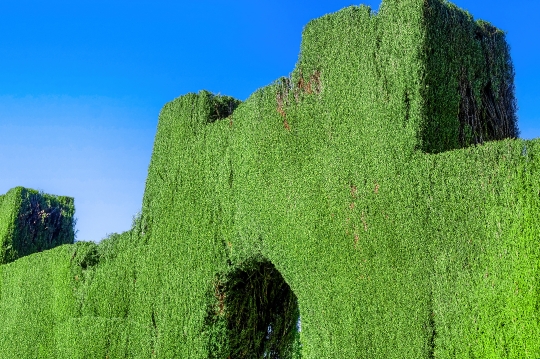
[32, 222]
[36, 295]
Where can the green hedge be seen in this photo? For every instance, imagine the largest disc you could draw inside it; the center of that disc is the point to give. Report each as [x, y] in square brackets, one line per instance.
[32, 222]
[98, 337]
[36, 295]
[375, 204]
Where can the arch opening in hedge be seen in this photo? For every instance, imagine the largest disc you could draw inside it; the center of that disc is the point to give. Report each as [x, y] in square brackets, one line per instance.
[254, 314]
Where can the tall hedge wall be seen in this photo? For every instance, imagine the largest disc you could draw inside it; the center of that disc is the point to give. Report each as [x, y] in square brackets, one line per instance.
[375, 204]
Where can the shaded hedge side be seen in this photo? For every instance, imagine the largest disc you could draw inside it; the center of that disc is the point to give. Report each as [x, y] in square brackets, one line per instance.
[32, 222]
[346, 192]
[468, 71]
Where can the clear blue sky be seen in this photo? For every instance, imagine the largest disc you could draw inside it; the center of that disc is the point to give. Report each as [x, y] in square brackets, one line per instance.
[82, 83]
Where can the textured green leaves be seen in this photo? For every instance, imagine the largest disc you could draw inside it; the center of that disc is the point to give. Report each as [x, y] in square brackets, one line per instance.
[368, 184]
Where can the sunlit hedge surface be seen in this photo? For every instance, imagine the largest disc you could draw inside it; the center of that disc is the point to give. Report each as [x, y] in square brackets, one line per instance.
[376, 204]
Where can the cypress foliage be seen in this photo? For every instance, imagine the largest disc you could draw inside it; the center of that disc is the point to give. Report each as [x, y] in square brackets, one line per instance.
[32, 222]
[373, 204]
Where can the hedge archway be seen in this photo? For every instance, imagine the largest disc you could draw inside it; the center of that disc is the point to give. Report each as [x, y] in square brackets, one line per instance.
[254, 314]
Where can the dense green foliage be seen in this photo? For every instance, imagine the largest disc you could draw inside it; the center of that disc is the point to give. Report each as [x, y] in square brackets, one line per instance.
[258, 313]
[32, 222]
[365, 194]
[474, 58]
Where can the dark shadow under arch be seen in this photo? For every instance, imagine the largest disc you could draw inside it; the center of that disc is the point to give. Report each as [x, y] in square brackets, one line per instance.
[254, 315]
